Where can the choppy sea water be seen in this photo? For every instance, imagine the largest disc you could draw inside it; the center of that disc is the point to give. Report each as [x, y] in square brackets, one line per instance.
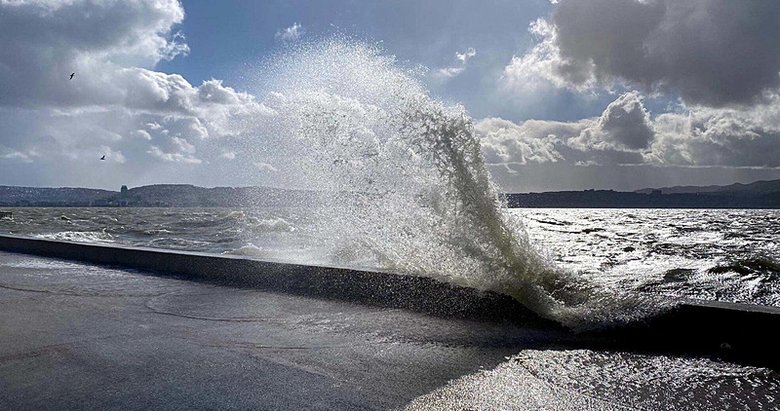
[603, 380]
[723, 255]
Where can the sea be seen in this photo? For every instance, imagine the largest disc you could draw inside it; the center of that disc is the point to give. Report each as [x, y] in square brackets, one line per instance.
[721, 255]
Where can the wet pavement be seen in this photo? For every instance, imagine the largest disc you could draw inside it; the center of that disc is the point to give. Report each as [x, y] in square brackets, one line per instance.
[78, 336]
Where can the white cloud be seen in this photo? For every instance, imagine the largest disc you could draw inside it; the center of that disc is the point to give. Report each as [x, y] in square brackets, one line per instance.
[466, 55]
[266, 167]
[110, 154]
[176, 157]
[453, 71]
[291, 33]
[41, 43]
[506, 142]
[9, 154]
[701, 136]
[720, 57]
[449, 72]
[142, 134]
[626, 134]
[183, 145]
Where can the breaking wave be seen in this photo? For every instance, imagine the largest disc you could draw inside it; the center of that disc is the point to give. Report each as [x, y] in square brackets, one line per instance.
[249, 250]
[79, 236]
[414, 193]
[277, 224]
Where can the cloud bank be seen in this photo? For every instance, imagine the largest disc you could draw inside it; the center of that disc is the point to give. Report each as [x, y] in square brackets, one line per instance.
[116, 104]
[709, 52]
[606, 66]
[714, 64]
[626, 134]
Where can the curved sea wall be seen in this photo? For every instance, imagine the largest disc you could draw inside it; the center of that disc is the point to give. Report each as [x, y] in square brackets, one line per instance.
[419, 294]
[735, 332]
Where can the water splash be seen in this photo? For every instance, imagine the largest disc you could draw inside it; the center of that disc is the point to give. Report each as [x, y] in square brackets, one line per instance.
[415, 196]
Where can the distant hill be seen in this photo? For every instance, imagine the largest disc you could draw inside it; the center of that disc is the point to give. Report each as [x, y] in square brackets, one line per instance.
[161, 195]
[761, 194]
[766, 186]
[65, 196]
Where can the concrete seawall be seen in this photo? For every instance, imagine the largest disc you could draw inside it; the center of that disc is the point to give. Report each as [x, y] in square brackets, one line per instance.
[419, 294]
[735, 332]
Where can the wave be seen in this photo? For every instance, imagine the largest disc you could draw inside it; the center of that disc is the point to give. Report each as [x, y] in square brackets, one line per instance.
[272, 225]
[762, 265]
[250, 250]
[156, 231]
[177, 243]
[416, 195]
[79, 236]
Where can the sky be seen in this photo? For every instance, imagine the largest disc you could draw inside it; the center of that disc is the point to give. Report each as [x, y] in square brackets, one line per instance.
[568, 94]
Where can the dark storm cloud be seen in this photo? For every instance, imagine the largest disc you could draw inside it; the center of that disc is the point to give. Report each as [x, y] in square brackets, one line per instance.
[710, 52]
[721, 58]
[624, 125]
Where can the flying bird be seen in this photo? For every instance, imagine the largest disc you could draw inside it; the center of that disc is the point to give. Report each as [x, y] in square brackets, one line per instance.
[71, 75]
[103, 158]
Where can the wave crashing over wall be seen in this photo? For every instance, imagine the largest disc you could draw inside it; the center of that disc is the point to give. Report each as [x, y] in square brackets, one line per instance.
[414, 194]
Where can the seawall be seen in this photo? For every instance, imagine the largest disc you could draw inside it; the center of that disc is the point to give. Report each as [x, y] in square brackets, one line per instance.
[736, 332]
[419, 294]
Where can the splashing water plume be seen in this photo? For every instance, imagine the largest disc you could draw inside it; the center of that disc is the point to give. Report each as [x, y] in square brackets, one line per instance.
[415, 196]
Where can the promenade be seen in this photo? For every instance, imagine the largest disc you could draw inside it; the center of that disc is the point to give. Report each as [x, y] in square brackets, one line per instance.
[80, 336]
[76, 336]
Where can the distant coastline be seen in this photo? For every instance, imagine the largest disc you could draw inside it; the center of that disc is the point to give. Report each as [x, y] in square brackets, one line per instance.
[760, 194]
[159, 195]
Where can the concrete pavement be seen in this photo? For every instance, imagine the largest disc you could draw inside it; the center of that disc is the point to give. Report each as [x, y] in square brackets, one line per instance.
[78, 336]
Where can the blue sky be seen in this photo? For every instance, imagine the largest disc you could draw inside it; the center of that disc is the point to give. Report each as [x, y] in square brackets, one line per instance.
[570, 94]
[229, 42]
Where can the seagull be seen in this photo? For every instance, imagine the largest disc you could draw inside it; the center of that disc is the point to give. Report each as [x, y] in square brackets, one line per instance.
[103, 158]
[71, 75]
